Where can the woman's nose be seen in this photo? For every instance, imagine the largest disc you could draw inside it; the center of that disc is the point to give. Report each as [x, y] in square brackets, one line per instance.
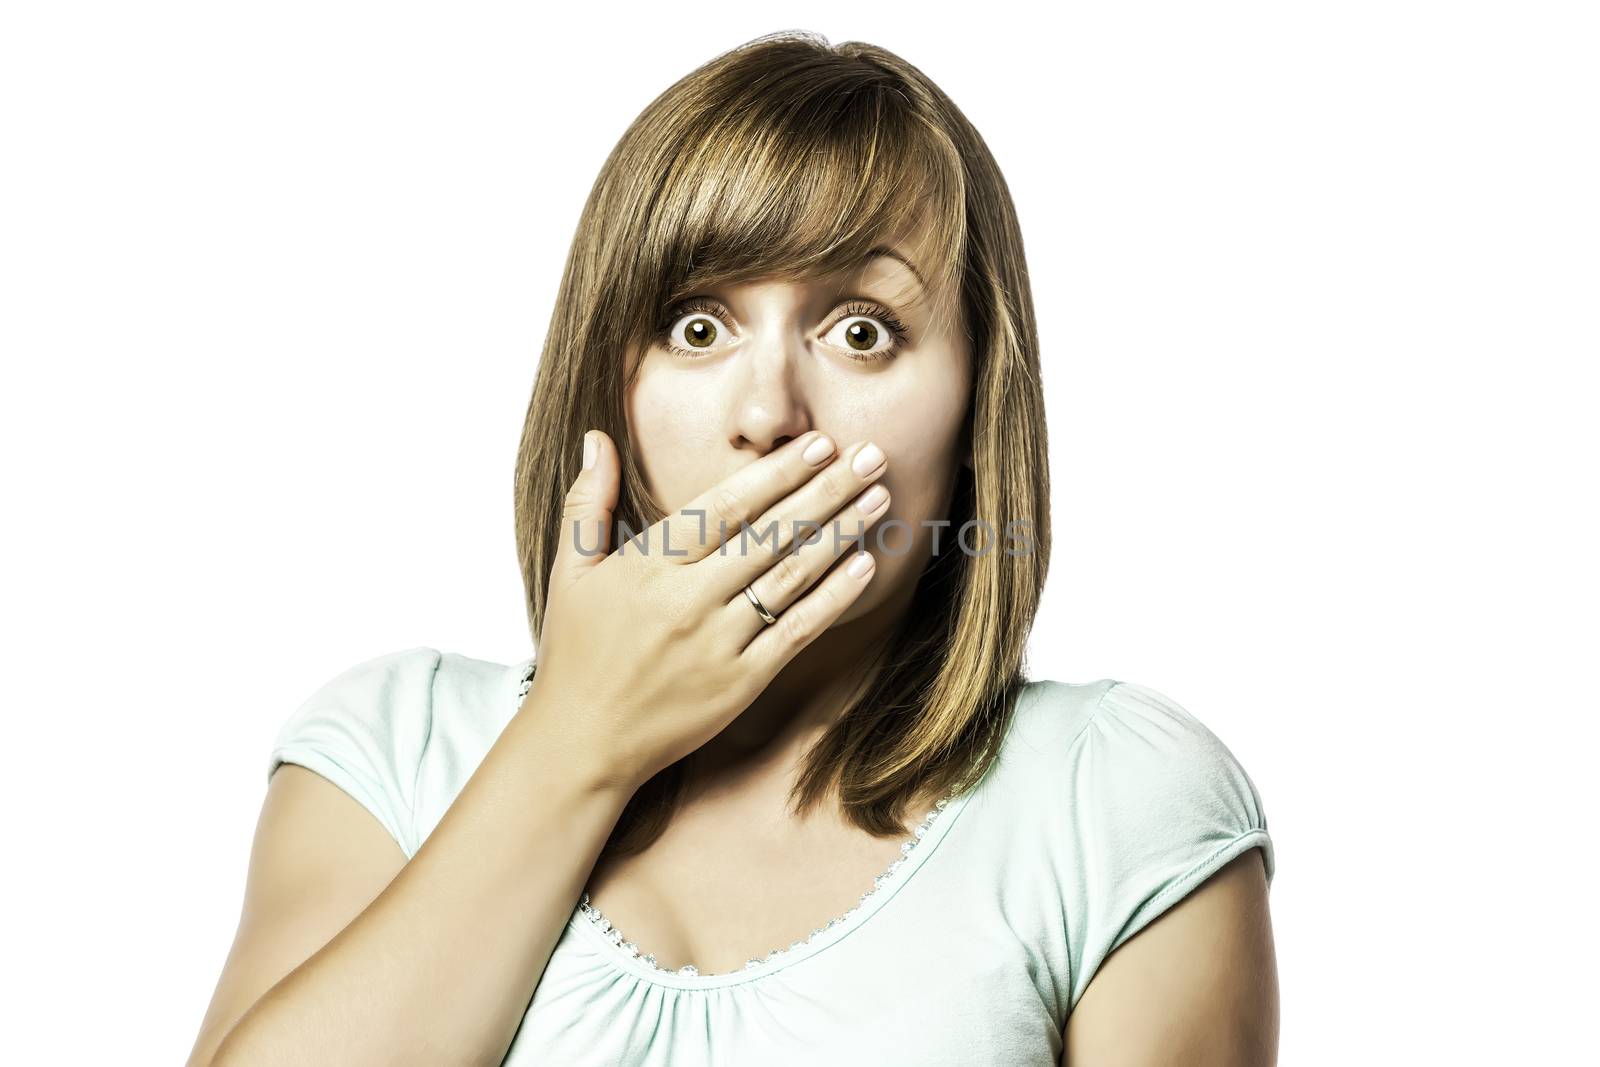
[768, 403]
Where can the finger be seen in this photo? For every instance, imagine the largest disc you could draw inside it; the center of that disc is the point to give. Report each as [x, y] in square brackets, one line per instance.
[797, 570]
[806, 619]
[750, 552]
[587, 509]
[701, 526]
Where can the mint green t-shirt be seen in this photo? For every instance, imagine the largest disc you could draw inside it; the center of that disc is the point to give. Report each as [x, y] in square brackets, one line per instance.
[1108, 804]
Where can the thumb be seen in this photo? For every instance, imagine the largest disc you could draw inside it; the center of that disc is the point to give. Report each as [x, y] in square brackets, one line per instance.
[587, 509]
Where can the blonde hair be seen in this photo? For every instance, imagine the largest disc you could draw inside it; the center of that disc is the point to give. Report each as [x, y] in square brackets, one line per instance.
[788, 156]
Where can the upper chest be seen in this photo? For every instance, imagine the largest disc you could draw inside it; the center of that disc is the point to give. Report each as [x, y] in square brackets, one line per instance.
[727, 883]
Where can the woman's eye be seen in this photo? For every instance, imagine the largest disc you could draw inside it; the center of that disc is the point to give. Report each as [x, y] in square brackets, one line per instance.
[861, 336]
[699, 331]
[693, 328]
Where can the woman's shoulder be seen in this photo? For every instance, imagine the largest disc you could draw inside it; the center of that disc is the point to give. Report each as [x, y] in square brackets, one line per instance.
[420, 674]
[372, 677]
[392, 730]
[1129, 802]
[406, 689]
[1127, 741]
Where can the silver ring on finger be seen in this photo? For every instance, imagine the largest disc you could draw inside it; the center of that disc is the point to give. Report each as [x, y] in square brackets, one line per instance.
[761, 609]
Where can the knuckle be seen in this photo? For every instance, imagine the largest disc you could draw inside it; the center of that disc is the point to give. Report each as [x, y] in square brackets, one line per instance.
[677, 618]
[831, 483]
[575, 500]
[727, 506]
[794, 625]
[789, 573]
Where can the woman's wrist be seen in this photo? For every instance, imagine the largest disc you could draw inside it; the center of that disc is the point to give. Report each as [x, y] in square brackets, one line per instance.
[592, 763]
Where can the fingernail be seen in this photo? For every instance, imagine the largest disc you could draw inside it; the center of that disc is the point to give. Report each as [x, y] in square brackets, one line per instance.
[859, 566]
[867, 460]
[818, 450]
[589, 450]
[871, 499]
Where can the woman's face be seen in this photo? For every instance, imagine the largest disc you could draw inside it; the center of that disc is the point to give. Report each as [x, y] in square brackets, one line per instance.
[754, 365]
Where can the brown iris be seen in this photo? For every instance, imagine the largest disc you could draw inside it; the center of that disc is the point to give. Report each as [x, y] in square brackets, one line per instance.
[865, 333]
[700, 332]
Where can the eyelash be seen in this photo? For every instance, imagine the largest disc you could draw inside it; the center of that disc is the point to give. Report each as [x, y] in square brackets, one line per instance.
[899, 334]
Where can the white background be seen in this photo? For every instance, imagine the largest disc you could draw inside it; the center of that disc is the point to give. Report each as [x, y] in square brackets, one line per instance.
[1317, 290]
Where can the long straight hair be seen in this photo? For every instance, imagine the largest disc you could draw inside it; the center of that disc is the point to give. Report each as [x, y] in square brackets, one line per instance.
[790, 156]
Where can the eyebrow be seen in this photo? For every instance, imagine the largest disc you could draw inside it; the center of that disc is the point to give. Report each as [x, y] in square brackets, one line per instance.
[884, 250]
[681, 293]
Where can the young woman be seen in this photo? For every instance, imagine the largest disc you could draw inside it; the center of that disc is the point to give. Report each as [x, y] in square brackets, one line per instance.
[773, 787]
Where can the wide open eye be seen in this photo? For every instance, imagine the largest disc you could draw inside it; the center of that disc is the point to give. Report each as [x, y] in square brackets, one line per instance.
[692, 328]
[867, 332]
[862, 337]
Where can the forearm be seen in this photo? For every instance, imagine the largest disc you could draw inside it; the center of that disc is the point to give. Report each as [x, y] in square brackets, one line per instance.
[440, 967]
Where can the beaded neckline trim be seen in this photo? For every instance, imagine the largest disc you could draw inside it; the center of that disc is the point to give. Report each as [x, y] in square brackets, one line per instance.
[689, 970]
[526, 683]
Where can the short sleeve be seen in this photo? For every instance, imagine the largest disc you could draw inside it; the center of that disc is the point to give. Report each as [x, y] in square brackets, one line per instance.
[1158, 805]
[365, 731]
